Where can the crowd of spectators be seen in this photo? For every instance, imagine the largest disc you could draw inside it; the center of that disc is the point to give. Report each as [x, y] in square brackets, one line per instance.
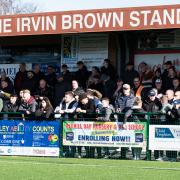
[99, 91]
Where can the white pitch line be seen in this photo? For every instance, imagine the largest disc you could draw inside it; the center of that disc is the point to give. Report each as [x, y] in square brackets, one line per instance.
[87, 165]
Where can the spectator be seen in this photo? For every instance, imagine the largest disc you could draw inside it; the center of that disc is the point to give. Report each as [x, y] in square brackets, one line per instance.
[67, 106]
[51, 77]
[123, 104]
[157, 75]
[97, 85]
[108, 69]
[138, 88]
[95, 96]
[118, 90]
[167, 66]
[106, 110]
[61, 87]
[5, 78]
[153, 105]
[130, 74]
[177, 95]
[170, 96]
[66, 75]
[20, 77]
[29, 104]
[77, 91]
[45, 90]
[85, 107]
[45, 110]
[94, 73]
[6, 87]
[82, 74]
[29, 82]
[176, 84]
[138, 116]
[12, 105]
[159, 87]
[174, 117]
[168, 84]
[66, 109]
[38, 75]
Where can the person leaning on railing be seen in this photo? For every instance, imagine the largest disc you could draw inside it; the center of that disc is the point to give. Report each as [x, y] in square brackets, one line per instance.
[12, 105]
[123, 104]
[28, 104]
[66, 110]
[137, 116]
[86, 111]
[45, 109]
[104, 112]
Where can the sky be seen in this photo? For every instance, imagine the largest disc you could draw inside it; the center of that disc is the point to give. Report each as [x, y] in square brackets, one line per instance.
[64, 5]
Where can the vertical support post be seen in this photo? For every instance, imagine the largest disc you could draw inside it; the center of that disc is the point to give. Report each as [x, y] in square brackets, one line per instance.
[148, 152]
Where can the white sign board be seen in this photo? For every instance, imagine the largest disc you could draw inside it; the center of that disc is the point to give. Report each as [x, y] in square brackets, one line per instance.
[164, 137]
[92, 49]
[157, 59]
[12, 69]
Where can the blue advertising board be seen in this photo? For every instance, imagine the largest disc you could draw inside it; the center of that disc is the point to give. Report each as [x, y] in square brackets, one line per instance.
[31, 138]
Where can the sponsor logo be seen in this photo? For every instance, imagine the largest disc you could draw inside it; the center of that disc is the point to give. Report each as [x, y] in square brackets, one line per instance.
[163, 133]
[52, 138]
[9, 151]
[138, 137]
[39, 151]
[69, 136]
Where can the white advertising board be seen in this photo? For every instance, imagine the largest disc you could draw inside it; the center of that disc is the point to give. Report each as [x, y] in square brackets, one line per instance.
[164, 137]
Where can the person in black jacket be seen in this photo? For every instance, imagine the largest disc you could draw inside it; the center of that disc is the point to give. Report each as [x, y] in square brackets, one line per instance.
[45, 90]
[45, 110]
[82, 74]
[137, 116]
[38, 74]
[51, 77]
[29, 82]
[130, 74]
[108, 69]
[153, 105]
[77, 91]
[85, 107]
[12, 105]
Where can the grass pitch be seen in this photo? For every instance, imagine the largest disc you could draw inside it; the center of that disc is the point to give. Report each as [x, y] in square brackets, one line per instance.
[33, 168]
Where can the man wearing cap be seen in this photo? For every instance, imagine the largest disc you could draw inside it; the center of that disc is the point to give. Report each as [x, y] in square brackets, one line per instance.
[125, 101]
[152, 104]
[123, 104]
[158, 86]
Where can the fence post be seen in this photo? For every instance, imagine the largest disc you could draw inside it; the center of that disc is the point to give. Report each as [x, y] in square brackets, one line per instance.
[148, 152]
[60, 137]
